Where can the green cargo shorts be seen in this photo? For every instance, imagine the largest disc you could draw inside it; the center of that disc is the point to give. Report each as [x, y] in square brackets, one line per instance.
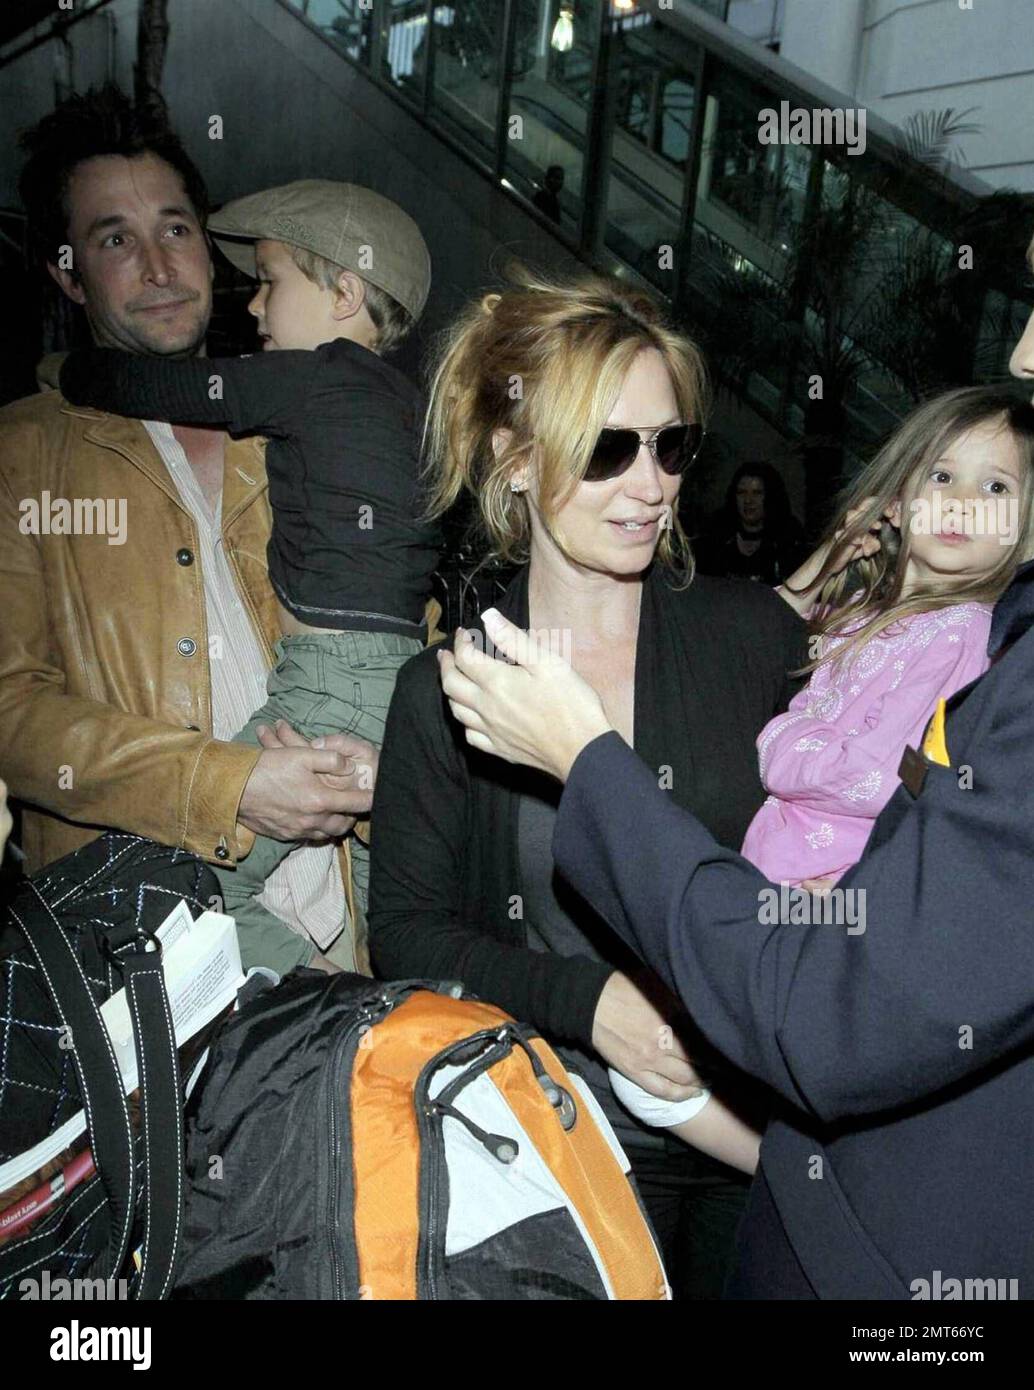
[322, 683]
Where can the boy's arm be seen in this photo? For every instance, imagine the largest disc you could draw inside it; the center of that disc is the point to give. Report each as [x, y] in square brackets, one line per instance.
[263, 394]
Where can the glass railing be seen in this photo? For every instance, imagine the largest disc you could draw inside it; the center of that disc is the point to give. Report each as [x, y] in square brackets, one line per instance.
[634, 133]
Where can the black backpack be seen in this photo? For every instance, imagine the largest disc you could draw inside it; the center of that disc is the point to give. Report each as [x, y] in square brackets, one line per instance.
[357, 1140]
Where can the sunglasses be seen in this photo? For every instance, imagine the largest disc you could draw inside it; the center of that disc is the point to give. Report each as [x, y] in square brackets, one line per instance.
[674, 447]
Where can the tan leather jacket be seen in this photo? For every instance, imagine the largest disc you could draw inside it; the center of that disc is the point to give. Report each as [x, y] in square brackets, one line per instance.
[105, 717]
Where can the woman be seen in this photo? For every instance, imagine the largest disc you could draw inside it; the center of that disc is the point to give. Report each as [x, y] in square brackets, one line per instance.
[756, 535]
[569, 412]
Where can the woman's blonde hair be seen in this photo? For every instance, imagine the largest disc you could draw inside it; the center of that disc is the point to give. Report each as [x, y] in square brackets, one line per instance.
[867, 595]
[545, 361]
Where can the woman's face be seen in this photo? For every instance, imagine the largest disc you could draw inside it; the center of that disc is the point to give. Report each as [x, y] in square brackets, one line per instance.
[614, 526]
[750, 500]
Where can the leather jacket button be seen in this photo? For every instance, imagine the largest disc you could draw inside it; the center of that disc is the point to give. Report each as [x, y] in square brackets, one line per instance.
[184, 556]
[186, 646]
[221, 852]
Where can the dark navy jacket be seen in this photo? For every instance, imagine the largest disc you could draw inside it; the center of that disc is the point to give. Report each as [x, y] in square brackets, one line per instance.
[903, 1057]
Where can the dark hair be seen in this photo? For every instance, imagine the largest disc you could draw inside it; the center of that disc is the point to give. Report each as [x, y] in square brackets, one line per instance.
[103, 121]
[777, 515]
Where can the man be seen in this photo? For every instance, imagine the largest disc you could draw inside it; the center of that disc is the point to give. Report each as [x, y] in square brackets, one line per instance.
[138, 618]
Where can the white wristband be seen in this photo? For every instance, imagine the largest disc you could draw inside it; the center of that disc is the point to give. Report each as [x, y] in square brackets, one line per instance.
[651, 1110]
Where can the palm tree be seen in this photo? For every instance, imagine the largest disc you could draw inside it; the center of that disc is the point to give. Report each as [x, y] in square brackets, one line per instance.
[864, 296]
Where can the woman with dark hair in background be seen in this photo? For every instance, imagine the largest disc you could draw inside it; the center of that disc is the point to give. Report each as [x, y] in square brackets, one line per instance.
[755, 535]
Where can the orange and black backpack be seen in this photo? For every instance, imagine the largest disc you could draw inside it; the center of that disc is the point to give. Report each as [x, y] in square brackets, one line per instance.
[351, 1139]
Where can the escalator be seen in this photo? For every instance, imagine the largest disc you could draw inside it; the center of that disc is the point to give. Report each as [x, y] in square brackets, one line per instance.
[651, 114]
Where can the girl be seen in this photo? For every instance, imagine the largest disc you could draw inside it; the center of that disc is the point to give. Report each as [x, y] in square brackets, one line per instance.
[900, 597]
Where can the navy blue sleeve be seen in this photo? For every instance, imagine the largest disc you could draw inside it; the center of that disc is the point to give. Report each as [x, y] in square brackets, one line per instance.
[940, 983]
[263, 394]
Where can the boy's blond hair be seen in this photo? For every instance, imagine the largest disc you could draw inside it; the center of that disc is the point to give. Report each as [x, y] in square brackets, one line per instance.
[392, 322]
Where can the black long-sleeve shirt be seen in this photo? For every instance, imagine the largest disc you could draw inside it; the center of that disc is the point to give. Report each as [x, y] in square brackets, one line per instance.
[445, 891]
[348, 547]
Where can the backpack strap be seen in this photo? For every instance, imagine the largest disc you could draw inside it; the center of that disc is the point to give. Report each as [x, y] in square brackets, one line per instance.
[100, 1081]
[161, 1113]
[107, 1114]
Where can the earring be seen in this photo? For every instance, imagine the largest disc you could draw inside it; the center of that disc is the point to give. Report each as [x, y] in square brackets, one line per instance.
[516, 487]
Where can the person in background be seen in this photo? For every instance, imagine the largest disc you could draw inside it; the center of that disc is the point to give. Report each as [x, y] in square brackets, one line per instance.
[755, 535]
[547, 198]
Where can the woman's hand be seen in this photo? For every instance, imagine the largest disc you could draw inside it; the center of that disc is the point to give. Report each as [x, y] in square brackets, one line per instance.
[632, 1035]
[535, 710]
[803, 580]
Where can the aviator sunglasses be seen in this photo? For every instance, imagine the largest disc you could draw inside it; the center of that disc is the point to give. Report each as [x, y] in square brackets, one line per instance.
[674, 447]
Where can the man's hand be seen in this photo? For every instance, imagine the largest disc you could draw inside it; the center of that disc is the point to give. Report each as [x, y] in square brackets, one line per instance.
[298, 791]
[632, 1035]
[360, 775]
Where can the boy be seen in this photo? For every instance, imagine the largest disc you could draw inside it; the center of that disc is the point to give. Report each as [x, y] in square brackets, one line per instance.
[343, 275]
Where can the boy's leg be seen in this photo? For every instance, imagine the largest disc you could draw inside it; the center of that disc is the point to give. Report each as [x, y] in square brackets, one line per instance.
[325, 684]
[360, 671]
[264, 939]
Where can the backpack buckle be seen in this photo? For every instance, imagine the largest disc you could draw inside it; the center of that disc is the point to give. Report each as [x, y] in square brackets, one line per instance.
[142, 936]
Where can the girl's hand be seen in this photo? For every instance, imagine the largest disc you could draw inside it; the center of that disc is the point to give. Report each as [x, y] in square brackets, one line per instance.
[535, 710]
[861, 547]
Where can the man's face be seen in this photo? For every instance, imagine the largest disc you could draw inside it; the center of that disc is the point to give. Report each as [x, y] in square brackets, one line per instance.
[144, 274]
[1022, 361]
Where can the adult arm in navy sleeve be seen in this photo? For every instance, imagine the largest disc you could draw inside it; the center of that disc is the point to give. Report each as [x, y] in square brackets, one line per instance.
[263, 394]
[841, 1024]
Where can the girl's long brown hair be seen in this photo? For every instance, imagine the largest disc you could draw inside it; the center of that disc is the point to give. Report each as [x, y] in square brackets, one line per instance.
[544, 360]
[868, 592]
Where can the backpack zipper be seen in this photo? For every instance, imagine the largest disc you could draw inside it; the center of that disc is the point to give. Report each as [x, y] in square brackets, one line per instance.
[339, 1066]
[499, 1043]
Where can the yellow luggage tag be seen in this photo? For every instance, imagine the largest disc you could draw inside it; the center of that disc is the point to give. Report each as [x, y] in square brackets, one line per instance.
[914, 766]
[934, 745]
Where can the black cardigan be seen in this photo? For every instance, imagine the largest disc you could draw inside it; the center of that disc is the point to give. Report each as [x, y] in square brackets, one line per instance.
[711, 670]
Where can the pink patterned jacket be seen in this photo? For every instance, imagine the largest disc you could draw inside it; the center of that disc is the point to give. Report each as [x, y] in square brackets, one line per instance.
[830, 762]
